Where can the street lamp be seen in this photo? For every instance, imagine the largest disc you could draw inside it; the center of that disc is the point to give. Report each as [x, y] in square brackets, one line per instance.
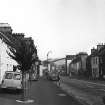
[47, 57]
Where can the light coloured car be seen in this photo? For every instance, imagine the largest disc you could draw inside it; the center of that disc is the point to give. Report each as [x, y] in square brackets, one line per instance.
[12, 80]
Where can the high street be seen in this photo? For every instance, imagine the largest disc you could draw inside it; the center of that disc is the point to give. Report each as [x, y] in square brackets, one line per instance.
[43, 92]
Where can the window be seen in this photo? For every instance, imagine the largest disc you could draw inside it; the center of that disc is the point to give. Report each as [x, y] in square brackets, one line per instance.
[96, 60]
[17, 76]
[93, 60]
[8, 76]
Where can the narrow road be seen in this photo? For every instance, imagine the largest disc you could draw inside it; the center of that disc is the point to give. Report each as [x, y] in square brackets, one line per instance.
[43, 92]
[47, 93]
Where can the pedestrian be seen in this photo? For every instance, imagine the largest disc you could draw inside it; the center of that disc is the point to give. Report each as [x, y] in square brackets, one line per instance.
[59, 79]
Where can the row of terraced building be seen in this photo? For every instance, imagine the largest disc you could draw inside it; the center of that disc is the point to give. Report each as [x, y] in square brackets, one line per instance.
[6, 63]
[90, 66]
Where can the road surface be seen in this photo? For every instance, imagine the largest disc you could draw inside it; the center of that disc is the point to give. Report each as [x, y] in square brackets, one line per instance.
[43, 92]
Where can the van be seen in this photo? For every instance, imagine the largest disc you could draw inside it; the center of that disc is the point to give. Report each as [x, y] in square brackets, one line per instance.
[12, 80]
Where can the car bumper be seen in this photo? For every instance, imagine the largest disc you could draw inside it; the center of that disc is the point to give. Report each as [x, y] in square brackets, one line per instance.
[10, 87]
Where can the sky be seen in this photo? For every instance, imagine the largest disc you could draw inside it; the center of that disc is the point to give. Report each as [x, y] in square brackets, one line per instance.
[61, 27]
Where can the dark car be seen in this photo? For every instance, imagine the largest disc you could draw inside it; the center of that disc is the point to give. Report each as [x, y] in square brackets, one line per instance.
[53, 76]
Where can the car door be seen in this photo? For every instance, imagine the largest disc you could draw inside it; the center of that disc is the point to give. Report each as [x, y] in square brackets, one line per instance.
[8, 80]
[17, 80]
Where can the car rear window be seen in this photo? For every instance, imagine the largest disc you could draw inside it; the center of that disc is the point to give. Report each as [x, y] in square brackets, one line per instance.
[8, 76]
[17, 76]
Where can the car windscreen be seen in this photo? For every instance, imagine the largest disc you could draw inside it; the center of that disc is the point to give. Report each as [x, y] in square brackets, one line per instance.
[8, 76]
[17, 76]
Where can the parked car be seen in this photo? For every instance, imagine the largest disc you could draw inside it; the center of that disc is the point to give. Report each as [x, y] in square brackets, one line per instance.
[53, 76]
[12, 80]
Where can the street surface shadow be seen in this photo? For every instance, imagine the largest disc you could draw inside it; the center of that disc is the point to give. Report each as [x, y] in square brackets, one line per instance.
[10, 94]
[10, 91]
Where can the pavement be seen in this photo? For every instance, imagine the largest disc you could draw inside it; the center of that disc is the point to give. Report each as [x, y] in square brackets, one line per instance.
[82, 97]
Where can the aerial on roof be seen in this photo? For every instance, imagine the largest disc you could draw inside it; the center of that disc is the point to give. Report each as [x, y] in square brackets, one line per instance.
[4, 25]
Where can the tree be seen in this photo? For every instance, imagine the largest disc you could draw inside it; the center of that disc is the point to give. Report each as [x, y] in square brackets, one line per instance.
[23, 54]
[21, 50]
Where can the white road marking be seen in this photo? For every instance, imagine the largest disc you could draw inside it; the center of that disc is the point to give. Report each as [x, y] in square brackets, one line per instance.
[61, 94]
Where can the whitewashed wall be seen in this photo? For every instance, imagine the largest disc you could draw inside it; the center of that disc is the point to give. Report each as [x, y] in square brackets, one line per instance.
[6, 63]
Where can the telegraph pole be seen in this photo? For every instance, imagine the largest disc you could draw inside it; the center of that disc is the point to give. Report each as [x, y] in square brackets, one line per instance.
[47, 58]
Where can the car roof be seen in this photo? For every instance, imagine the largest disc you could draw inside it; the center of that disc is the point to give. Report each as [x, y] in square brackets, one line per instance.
[12, 72]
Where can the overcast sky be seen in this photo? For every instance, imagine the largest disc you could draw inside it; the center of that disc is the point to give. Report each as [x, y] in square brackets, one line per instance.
[61, 26]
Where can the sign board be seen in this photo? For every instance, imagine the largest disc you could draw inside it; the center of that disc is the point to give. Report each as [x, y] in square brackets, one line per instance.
[69, 57]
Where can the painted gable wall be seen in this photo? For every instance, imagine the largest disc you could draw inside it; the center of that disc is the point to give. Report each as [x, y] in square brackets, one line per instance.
[6, 63]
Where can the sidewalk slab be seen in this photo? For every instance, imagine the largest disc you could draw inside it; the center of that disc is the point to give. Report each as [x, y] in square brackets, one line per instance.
[93, 81]
[84, 98]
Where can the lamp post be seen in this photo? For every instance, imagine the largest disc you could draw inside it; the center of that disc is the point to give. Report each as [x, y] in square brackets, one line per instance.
[47, 58]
